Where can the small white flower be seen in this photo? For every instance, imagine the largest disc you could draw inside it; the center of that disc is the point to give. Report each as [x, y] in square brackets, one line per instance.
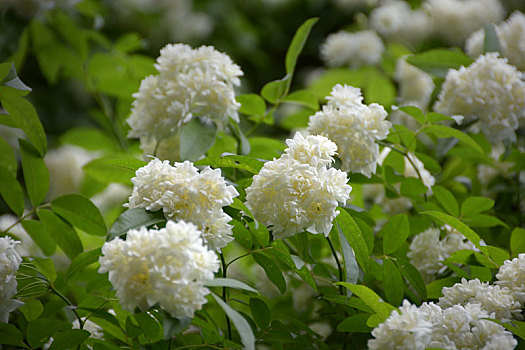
[511, 275]
[316, 150]
[9, 264]
[352, 49]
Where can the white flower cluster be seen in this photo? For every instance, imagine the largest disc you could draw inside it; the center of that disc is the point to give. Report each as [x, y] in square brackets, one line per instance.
[510, 34]
[489, 90]
[395, 20]
[428, 251]
[167, 266]
[9, 264]
[192, 83]
[185, 194]
[454, 20]
[353, 126]
[352, 49]
[299, 191]
[511, 275]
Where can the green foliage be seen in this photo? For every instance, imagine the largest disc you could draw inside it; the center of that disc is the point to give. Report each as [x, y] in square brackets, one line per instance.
[438, 61]
[195, 139]
[243, 327]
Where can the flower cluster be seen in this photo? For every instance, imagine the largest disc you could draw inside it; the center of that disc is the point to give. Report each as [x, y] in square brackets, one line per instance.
[510, 34]
[167, 266]
[511, 275]
[9, 264]
[353, 126]
[299, 191]
[192, 83]
[415, 86]
[491, 91]
[352, 49]
[185, 194]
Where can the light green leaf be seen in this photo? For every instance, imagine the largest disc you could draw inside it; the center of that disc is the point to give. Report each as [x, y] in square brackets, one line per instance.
[80, 212]
[275, 90]
[517, 241]
[32, 309]
[89, 138]
[7, 158]
[11, 191]
[297, 44]
[46, 268]
[64, 235]
[272, 270]
[355, 324]
[483, 220]
[395, 233]
[415, 113]
[23, 115]
[134, 218]
[251, 104]
[129, 42]
[110, 169]
[381, 308]
[461, 227]
[469, 257]
[475, 205]
[260, 312]
[304, 98]
[498, 255]
[354, 236]
[445, 131]
[39, 234]
[438, 61]
[39, 331]
[435, 288]
[392, 282]
[230, 283]
[36, 175]
[69, 339]
[10, 335]
[243, 327]
[250, 164]
[266, 148]
[412, 187]
[196, 139]
[325, 83]
[81, 261]
[491, 41]
[242, 234]
[446, 199]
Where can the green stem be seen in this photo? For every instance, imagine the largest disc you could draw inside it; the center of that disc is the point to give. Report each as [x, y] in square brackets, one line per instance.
[224, 294]
[66, 300]
[339, 267]
[245, 255]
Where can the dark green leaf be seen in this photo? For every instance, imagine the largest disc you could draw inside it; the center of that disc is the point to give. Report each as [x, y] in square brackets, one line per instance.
[64, 235]
[134, 218]
[413, 276]
[10, 335]
[395, 233]
[272, 270]
[304, 98]
[475, 205]
[445, 131]
[12, 79]
[446, 199]
[354, 236]
[250, 164]
[251, 104]
[32, 309]
[261, 312]
[174, 326]
[491, 42]
[381, 308]
[109, 169]
[11, 191]
[7, 158]
[131, 329]
[438, 61]
[275, 90]
[243, 327]
[469, 257]
[81, 261]
[149, 325]
[39, 331]
[435, 289]
[242, 234]
[392, 282]
[39, 234]
[231, 283]
[517, 241]
[36, 175]
[354, 324]
[80, 212]
[297, 44]
[196, 139]
[69, 339]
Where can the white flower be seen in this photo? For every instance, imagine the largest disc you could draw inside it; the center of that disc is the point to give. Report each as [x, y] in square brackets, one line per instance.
[454, 20]
[354, 127]
[493, 299]
[407, 329]
[489, 90]
[9, 264]
[511, 275]
[352, 49]
[510, 34]
[415, 86]
[395, 20]
[316, 150]
[167, 266]
[185, 194]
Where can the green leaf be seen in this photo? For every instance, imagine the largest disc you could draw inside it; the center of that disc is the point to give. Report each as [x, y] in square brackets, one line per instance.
[251, 104]
[245, 143]
[354, 236]
[415, 113]
[32, 309]
[395, 233]
[149, 325]
[81, 261]
[412, 187]
[134, 218]
[266, 148]
[243, 327]
[5, 70]
[434, 117]
[46, 268]
[381, 308]
[517, 241]
[129, 42]
[250, 164]
[110, 169]
[12, 79]
[516, 327]
[7, 158]
[242, 234]
[80, 212]
[469, 257]
[483, 220]
[304, 98]
[413, 276]
[261, 312]
[350, 263]
[39, 234]
[446, 199]
[39, 331]
[435, 289]
[173, 326]
[69, 339]
[230, 283]
[355, 324]
[438, 61]
[11, 192]
[461, 227]
[64, 235]
[36, 175]
[272, 270]
[23, 115]
[275, 90]
[10, 335]
[132, 330]
[196, 138]
[89, 138]
[475, 205]
[498, 255]
[445, 131]
[491, 42]
[393, 282]
[297, 44]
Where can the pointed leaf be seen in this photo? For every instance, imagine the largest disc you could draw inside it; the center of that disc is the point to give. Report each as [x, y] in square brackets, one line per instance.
[40, 236]
[251, 104]
[64, 235]
[439, 61]
[110, 169]
[196, 139]
[134, 218]
[11, 192]
[395, 233]
[381, 308]
[260, 312]
[10, 335]
[243, 327]
[517, 241]
[36, 175]
[7, 157]
[351, 268]
[446, 199]
[275, 90]
[297, 44]
[491, 42]
[392, 282]
[475, 205]
[354, 236]
[272, 270]
[81, 261]
[80, 212]
[231, 283]
[445, 131]
[69, 339]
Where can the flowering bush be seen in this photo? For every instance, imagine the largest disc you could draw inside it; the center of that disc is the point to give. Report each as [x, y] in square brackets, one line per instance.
[367, 192]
